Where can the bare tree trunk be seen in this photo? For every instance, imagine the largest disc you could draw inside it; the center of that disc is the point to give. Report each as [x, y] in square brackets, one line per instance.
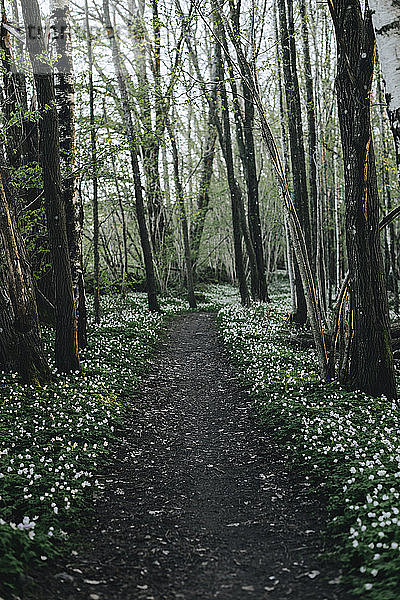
[65, 100]
[66, 347]
[338, 269]
[285, 155]
[247, 157]
[370, 364]
[121, 208]
[203, 199]
[131, 134]
[250, 169]
[311, 120]
[93, 149]
[245, 126]
[296, 141]
[183, 219]
[225, 139]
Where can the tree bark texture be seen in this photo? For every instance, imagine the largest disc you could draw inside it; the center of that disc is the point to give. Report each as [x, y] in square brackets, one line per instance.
[65, 101]
[66, 345]
[370, 364]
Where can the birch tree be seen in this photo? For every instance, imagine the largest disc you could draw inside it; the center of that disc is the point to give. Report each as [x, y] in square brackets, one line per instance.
[386, 20]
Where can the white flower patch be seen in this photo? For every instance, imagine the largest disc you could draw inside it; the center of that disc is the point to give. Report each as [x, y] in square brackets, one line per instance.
[57, 436]
[350, 441]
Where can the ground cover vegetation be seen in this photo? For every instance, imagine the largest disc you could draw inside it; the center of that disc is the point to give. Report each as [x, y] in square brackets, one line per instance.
[346, 444]
[56, 439]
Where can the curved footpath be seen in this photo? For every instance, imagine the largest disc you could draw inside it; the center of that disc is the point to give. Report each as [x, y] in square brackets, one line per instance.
[198, 504]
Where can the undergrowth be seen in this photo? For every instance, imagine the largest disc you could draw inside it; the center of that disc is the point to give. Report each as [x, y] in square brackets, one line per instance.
[56, 439]
[346, 444]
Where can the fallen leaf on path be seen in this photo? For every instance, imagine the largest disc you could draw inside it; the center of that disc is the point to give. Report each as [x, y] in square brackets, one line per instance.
[313, 574]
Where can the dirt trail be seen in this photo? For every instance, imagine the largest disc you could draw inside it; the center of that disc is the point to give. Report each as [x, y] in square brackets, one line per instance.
[198, 505]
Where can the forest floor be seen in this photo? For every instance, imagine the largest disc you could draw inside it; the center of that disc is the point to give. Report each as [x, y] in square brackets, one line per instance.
[198, 503]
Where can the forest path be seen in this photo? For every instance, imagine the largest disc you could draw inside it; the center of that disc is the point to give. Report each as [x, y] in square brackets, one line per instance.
[198, 504]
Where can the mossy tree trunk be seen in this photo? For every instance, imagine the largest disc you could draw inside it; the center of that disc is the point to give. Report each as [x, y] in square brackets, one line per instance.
[21, 348]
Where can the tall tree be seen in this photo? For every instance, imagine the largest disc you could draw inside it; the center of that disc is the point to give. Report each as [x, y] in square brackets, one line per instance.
[208, 154]
[64, 86]
[285, 157]
[370, 365]
[316, 221]
[245, 135]
[133, 151]
[124, 261]
[152, 120]
[183, 219]
[66, 345]
[225, 139]
[295, 127]
[93, 170]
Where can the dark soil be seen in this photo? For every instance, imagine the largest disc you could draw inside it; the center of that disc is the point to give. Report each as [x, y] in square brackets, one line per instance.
[199, 503]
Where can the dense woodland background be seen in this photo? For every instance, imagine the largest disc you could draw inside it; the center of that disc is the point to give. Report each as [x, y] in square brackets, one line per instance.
[154, 146]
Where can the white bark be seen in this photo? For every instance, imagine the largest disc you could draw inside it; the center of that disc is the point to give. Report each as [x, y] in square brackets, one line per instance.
[386, 20]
